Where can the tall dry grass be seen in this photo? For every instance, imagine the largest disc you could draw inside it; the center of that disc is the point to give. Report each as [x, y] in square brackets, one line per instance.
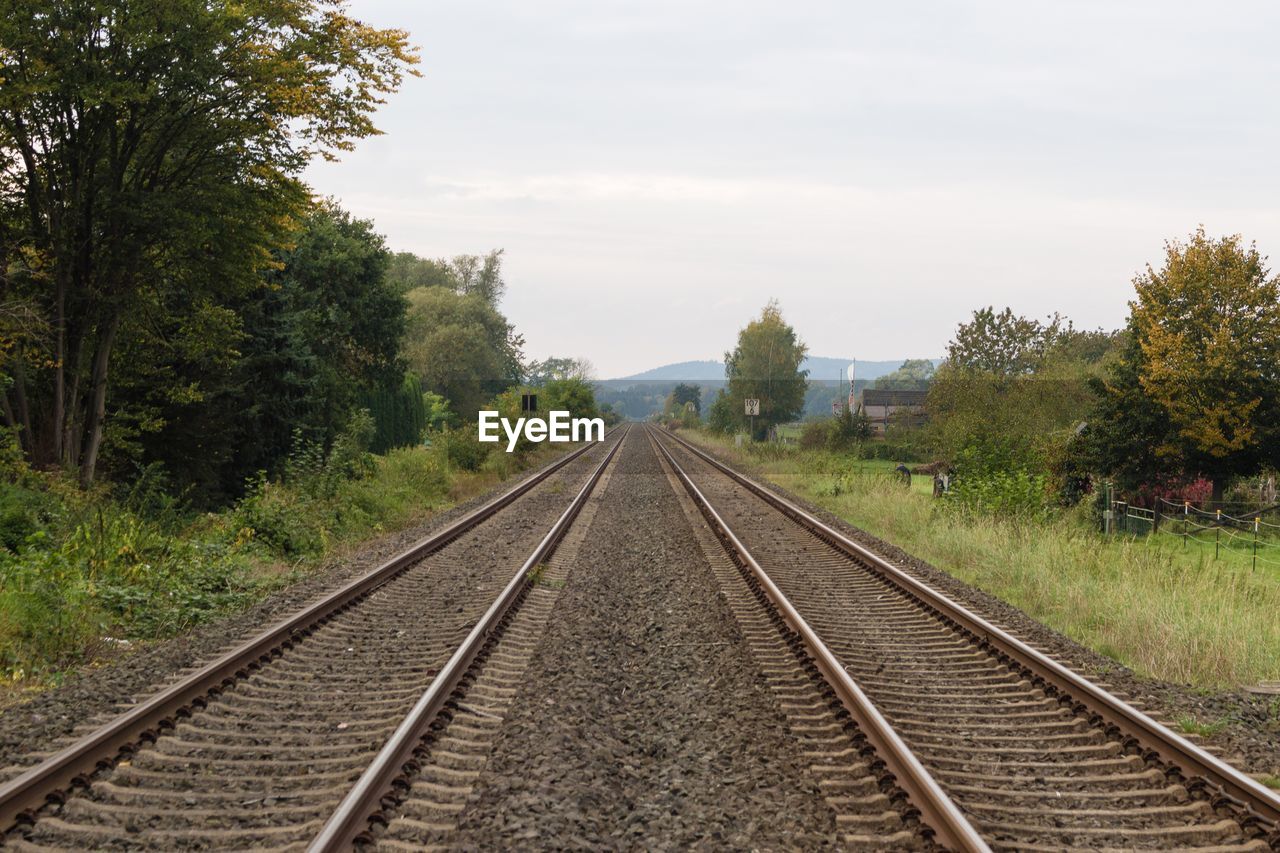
[1167, 613]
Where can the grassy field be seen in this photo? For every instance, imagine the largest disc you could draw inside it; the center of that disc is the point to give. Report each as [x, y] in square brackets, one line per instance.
[1164, 609]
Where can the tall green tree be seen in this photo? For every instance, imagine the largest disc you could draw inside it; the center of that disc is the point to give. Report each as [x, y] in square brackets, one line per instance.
[401, 413]
[149, 148]
[684, 393]
[461, 347]
[765, 365]
[407, 271]
[288, 361]
[1128, 436]
[343, 325]
[480, 276]
[551, 369]
[1002, 344]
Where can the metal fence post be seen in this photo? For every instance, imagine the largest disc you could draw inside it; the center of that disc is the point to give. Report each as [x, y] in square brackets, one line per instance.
[1108, 511]
[1217, 535]
[1255, 542]
[1186, 510]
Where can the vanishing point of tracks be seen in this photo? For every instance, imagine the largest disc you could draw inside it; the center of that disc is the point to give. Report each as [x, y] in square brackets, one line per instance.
[367, 717]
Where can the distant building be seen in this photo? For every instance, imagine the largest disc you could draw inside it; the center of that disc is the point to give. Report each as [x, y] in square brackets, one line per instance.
[883, 406]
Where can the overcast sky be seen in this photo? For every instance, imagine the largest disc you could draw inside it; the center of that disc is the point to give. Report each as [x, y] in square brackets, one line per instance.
[657, 171]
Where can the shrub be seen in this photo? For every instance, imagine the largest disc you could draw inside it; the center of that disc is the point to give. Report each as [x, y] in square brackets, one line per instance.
[89, 569]
[1000, 477]
[407, 481]
[462, 448]
[318, 472]
[815, 435]
[47, 616]
[1017, 494]
[721, 417]
[849, 429]
[276, 516]
[22, 512]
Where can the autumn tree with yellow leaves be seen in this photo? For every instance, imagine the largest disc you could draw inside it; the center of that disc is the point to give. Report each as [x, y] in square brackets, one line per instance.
[1197, 391]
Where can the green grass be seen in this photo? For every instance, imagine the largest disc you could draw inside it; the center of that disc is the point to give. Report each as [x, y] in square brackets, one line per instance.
[1192, 726]
[786, 470]
[1234, 548]
[1167, 613]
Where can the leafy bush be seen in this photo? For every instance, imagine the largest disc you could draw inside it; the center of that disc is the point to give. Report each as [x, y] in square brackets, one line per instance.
[816, 435]
[999, 476]
[47, 615]
[462, 448]
[318, 472]
[407, 481]
[22, 512]
[276, 516]
[721, 416]
[197, 581]
[109, 570]
[848, 431]
[1017, 494]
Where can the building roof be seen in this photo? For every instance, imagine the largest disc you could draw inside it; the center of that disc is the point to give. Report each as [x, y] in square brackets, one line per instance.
[893, 397]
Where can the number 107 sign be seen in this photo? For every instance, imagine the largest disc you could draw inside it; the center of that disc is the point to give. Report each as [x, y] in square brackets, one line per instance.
[753, 406]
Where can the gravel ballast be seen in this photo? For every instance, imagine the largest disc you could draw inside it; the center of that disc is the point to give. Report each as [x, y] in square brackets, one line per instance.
[38, 723]
[644, 721]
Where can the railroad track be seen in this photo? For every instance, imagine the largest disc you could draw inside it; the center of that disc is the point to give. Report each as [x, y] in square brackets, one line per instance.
[990, 743]
[358, 722]
[305, 734]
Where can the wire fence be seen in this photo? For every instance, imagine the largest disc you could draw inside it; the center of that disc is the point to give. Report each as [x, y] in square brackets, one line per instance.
[1249, 536]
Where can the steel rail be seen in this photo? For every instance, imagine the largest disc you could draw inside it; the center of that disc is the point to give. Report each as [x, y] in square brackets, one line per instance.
[73, 765]
[939, 814]
[1139, 729]
[363, 803]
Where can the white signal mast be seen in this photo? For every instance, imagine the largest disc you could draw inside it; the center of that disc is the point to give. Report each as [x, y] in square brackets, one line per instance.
[852, 407]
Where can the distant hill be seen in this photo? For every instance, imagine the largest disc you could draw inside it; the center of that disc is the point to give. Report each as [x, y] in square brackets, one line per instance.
[697, 371]
[820, 368]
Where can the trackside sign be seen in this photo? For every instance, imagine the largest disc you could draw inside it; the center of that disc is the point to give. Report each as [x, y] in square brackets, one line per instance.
[557, 427]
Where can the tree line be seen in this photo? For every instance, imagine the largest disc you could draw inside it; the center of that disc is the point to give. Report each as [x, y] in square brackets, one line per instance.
[175, 300]
[151, 162]
[1185, 393]
[1185, 397]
